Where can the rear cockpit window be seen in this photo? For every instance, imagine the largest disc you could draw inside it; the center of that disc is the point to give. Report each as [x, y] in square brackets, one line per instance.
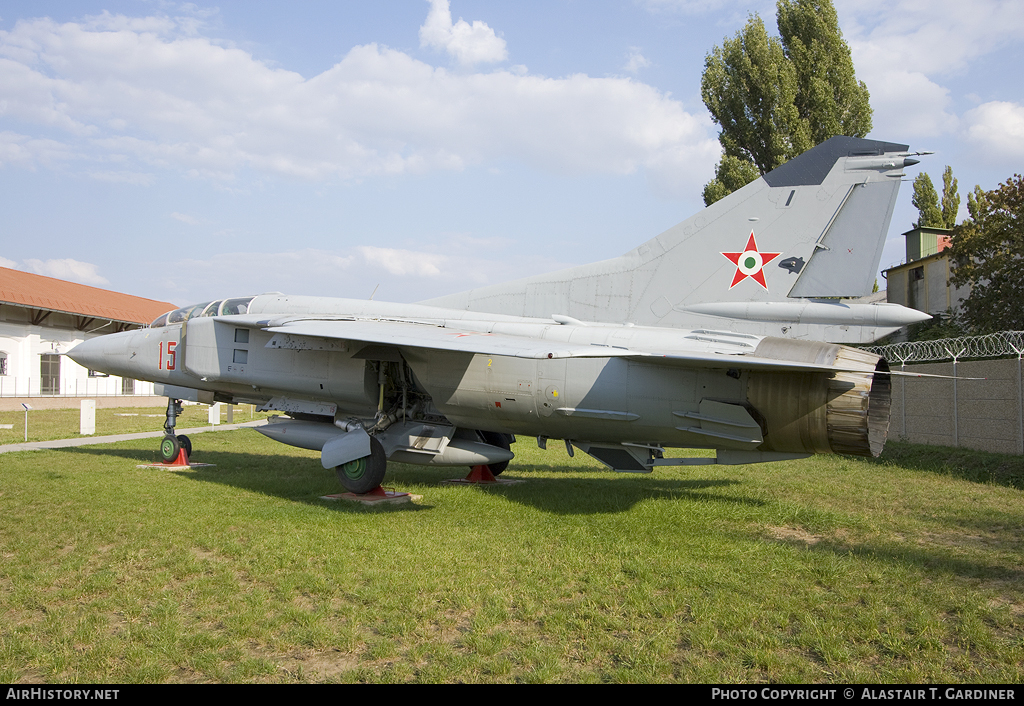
[236, 306]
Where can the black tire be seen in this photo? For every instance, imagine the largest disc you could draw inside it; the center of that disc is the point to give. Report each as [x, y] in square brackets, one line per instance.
[169, 448]
[366, 473]
[185, 443]
[500, 440]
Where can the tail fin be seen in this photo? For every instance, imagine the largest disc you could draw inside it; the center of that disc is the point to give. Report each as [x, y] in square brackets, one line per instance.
[814, 227]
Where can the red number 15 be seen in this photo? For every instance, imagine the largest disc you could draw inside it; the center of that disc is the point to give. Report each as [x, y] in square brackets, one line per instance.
[172, 355]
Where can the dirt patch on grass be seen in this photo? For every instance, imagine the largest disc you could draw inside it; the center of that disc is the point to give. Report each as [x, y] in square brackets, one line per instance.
[796, 535]
[316, 666]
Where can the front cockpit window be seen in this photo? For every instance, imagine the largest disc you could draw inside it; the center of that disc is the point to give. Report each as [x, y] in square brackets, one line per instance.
[212, 309]
[185, 313]
[221, 307]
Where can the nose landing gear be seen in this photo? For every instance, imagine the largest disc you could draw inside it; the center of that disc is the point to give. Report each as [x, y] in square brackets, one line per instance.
[175, 450]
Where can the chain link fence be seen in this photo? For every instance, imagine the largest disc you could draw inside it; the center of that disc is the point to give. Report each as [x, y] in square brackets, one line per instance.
[980, 405]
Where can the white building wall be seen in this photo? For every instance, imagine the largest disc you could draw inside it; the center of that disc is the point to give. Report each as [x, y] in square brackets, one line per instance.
[25, 343]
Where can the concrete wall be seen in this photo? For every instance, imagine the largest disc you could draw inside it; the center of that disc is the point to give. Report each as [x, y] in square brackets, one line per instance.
[13, 404]
[987, 414]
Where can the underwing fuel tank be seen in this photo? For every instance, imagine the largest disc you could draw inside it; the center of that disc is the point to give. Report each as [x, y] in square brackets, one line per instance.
[804, 412]
[317, 435]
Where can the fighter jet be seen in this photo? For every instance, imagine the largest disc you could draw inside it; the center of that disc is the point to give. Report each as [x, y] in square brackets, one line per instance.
[721, 333]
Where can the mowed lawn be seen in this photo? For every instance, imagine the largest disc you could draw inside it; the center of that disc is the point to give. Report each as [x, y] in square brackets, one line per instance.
[904, 569]
[47, 424]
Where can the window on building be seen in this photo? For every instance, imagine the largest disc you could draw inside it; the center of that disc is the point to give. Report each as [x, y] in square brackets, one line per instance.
[49, 373]
[917, 274]
[127, 386]
[3, 362]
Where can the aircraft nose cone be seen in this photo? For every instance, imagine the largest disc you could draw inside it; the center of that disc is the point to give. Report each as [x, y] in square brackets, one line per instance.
[91, 354]
[104, 354]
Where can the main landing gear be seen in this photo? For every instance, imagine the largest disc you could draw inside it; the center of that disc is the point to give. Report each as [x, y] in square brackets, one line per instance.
[364, 474]
[488, 474]
[500, 440]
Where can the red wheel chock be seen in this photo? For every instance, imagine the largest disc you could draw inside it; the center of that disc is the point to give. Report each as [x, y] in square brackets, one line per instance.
[182, 459]
[480, 474]
[180, 462]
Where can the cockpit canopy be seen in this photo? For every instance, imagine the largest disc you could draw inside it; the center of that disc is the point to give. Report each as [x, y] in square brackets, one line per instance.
[222, 307]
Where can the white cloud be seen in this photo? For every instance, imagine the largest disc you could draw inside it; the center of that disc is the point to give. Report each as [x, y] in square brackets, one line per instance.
[136, 178]
[68, 269]
[9, 264]
[905, 50]
[933, 37]
[703, 7]
[907, 104]
[403, 262]
[149, 95]
[401, 274]
[185, 218]
[25, 151]
[468, 43]
[997, 129]
[635, 61]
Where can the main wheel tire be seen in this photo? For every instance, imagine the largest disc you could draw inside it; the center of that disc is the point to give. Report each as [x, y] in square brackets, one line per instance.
[366, 473]
[185, 443]
[500, 440]
[169, 448]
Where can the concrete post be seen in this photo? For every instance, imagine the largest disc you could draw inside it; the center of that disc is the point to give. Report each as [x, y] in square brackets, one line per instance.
[87, 419]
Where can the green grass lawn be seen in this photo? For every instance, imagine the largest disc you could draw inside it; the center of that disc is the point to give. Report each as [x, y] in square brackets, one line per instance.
[905, 569]
[47, 424]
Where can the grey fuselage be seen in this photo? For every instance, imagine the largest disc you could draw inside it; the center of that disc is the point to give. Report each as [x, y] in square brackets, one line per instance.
[616, 400]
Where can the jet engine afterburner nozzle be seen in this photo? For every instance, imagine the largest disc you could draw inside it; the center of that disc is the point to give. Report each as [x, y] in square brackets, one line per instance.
[846, 412]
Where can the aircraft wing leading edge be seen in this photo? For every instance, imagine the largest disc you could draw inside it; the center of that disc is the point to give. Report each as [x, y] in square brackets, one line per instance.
[433, 337]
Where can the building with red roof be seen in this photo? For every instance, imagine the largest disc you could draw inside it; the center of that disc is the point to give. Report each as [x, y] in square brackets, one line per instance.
[42, 317]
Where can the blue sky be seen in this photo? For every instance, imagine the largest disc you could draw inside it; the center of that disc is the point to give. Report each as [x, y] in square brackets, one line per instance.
[188, 151]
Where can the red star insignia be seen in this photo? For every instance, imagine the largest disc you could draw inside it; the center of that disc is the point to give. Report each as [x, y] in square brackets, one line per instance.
[750, 263]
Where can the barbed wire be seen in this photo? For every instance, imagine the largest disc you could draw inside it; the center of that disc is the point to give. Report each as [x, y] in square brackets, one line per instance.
[993, 345]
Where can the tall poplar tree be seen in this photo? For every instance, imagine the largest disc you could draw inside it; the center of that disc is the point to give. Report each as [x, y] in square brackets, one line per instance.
[775, 98]
[933, 213]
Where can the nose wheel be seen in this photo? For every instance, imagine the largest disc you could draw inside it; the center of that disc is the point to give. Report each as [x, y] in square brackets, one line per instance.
[172, 445]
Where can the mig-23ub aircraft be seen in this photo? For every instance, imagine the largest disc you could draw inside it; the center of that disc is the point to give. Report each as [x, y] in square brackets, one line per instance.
[722, 333]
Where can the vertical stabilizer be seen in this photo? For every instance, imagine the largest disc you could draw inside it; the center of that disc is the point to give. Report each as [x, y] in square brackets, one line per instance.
[812, 228]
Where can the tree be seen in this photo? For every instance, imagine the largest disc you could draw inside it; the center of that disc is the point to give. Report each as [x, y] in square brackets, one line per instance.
[829, 97]
[987, 253]
[732, 173]
[775, 98]
[926, 200]
[950, 199]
